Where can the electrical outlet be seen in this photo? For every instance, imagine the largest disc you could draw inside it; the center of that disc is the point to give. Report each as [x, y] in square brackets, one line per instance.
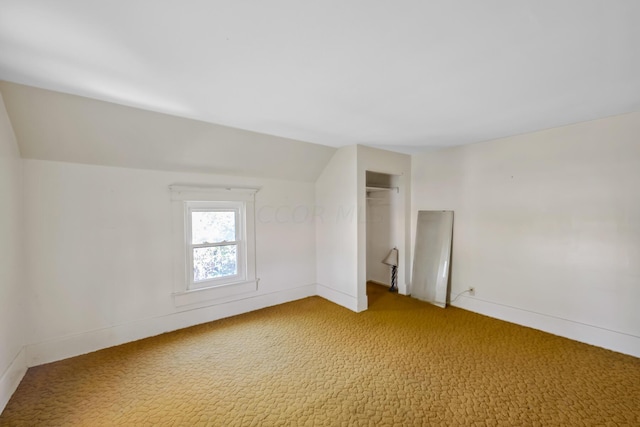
[472, 291]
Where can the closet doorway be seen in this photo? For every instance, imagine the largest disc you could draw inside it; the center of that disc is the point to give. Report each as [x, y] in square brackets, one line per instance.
[385, 228]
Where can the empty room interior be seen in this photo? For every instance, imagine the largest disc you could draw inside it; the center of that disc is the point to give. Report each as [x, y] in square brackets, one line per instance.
[211, 212]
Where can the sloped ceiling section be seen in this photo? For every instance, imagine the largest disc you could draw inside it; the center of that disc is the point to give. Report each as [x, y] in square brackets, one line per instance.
[61, 127]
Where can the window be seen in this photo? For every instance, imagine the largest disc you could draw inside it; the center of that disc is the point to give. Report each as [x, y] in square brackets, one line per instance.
[214, 243]
[215, 246]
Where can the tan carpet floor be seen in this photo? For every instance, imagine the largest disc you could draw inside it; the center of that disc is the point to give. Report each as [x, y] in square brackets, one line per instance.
[310, 362]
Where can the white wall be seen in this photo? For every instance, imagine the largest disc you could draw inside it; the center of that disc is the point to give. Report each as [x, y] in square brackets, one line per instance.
[100, 256]
[336, 230]
[12, 286]
[379, 235]
[546, 228]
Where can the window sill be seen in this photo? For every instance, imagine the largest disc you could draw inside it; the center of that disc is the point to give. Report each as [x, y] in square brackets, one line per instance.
[195, 296]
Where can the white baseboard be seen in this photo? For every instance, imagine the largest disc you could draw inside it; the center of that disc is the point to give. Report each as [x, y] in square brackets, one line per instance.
[612, 340]
[339, 298]
[11, 377]
[75, 345]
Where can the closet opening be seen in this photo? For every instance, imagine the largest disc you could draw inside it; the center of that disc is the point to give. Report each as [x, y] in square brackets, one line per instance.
[384, 230]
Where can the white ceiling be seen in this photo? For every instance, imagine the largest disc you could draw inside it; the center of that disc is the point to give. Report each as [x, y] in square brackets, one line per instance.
[402, 74]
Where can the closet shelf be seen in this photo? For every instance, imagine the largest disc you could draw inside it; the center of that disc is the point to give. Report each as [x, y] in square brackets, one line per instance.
[373, 188]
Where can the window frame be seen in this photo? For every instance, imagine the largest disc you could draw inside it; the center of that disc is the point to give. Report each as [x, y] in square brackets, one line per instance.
[185, 295]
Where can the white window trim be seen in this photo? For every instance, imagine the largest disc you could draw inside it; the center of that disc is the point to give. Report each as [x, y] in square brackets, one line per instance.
[182, 198]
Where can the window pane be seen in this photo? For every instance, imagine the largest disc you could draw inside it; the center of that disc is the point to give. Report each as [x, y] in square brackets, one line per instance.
[214, 262]
[213, 227]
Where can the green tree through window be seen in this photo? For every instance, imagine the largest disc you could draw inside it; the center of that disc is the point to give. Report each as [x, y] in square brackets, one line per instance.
[214, 241]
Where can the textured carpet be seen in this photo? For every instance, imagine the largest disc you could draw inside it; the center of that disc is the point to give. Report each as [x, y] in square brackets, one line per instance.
[310, 362]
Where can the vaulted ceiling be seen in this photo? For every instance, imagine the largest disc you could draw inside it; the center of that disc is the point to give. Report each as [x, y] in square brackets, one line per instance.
[405, 75]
